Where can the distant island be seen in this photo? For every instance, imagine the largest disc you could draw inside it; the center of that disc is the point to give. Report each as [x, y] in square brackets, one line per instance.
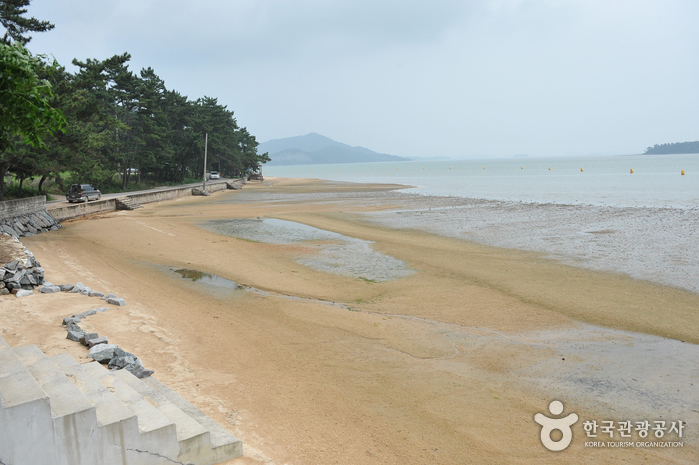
[314, 149]
[677, 147]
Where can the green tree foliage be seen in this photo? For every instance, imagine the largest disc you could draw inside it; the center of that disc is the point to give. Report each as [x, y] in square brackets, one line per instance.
[105, 124]
[25, 109]
[677, 147]
[125, 127]
[16, 25]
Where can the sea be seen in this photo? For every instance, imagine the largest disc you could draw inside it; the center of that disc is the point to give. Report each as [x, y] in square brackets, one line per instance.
[636, 214]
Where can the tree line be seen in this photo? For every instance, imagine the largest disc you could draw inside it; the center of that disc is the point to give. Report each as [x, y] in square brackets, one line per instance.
[677, 147]
[105, 124]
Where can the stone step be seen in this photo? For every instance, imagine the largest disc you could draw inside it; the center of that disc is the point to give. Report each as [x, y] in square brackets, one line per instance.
[224, 445]
[26, 422]
[73, 414]
[194, 439]
[158, 434]
[118, 426]
[127, 203]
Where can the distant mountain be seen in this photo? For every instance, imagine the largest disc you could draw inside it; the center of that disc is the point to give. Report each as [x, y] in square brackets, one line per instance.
[314, 149]
[677, 147]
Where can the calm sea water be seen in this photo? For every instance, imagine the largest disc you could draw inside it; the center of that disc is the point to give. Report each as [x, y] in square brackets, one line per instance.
[656, 180]
[644, 224]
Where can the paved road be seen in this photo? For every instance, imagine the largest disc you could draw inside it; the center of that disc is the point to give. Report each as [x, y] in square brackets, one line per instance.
[63, 202]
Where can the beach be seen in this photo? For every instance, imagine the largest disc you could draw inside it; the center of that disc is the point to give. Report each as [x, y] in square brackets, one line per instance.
[446, 363]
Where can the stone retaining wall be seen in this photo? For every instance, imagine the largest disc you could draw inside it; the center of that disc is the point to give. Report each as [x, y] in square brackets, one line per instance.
[26, 217]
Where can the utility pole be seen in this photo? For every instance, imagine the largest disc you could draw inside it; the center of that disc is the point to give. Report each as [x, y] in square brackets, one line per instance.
[206, 144]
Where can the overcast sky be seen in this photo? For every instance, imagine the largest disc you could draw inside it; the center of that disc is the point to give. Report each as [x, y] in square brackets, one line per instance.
[428, 78]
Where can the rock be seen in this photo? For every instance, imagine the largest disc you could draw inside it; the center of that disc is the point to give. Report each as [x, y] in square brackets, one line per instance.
[2, 284]
[24, 293]
[66, 287]
[101, 309]
[102, 353]
[108, 296]
[4, 291]
[96, 341]
[116, 301]
[2, 273]
[10, 285]
[123, 360]
[141, 373]
[16, 276]
[49, 289]
[85, 340]
[71, 319]
[74, 327]
[95, 294]
[8, 229]
[75, 335]
[79, 287]
[87, 313]
[199, 191]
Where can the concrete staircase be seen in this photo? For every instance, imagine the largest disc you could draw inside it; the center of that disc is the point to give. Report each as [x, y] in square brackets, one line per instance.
[54, 410]
[127, 203]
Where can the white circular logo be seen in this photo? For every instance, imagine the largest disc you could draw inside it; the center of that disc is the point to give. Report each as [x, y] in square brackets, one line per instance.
[561, 424]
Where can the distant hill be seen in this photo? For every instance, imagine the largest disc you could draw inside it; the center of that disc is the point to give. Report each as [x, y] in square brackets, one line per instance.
[677, 147]
[314, 149]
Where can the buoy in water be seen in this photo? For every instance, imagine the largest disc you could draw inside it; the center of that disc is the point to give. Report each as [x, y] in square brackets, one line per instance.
[631, 170]
[549, 168]
[581, 170]
[521, 167]
[450, 167]
[682, 172]
[423, 167]
[484, 167]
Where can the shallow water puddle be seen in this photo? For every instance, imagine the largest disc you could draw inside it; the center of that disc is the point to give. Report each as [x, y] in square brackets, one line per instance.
[208, 278]
[210, 281]
[336, 253]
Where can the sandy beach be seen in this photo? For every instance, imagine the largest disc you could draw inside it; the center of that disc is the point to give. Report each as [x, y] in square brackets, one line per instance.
[445, 365]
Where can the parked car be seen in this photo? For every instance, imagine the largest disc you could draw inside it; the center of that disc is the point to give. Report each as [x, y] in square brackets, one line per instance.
[83, 193]
[214, 175]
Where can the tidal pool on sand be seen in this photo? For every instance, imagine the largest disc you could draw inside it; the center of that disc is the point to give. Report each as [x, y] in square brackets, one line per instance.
[337, 253]
[208, 278]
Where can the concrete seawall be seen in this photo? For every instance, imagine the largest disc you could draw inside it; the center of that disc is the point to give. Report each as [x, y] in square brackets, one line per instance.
[12, 208]
[66, 212]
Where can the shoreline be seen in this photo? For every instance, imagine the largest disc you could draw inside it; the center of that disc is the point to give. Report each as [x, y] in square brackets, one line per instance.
[604, 238]
[300, 382]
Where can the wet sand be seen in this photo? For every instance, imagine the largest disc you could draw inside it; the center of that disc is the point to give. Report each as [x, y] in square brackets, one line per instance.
[446, 365]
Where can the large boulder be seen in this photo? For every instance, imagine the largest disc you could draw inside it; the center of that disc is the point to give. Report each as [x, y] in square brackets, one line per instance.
[116, 301]
[102, 353]
[49, 289]
[78, 288]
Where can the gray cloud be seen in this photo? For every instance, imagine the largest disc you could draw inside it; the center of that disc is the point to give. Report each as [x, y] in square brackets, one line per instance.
[415, 78]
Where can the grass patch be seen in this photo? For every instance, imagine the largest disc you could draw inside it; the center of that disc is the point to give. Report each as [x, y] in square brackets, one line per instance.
[367, 280]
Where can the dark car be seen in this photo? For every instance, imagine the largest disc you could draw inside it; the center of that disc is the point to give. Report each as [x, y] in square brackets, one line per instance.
[83, 193]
